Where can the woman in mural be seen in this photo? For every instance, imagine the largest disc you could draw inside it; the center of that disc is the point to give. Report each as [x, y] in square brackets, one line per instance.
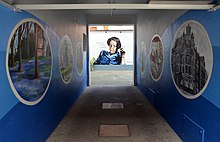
[111, 57]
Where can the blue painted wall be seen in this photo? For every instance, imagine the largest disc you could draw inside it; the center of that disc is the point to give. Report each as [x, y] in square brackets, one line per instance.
[20, 122]
[192, 119]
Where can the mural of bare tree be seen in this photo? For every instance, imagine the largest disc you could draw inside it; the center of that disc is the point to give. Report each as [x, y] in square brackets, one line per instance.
[12, 63]
[28, 28]
[44, 49]
[20, 31]
[37, 44]
[29, 61]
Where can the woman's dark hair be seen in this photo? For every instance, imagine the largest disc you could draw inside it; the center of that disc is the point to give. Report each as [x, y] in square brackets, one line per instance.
[118, 45]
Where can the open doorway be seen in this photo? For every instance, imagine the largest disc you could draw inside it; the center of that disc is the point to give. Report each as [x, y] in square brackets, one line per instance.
[111, 73]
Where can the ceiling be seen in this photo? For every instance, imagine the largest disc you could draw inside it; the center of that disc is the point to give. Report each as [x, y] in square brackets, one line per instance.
[106, 5]
[107, 1]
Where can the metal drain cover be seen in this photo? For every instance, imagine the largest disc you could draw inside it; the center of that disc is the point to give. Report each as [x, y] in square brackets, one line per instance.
[114, 131]
[112, 106]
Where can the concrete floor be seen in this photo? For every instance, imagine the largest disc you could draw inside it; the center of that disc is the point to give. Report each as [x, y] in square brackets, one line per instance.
[112, 77]
[83, 121]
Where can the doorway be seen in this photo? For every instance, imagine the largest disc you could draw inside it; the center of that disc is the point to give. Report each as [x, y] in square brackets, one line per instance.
[121, 74]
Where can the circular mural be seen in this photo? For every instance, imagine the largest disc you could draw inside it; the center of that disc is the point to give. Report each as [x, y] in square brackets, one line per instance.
[66, 59]
[29, 61]
[142, 59]
[156, 57]
[191, 59]
[79, 55]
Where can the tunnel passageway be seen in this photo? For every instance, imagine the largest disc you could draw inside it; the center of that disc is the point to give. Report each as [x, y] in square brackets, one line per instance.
[84, 121]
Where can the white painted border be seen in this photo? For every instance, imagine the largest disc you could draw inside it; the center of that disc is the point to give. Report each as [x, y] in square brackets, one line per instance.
[156, 35]
[7, 69]
[187, 95]
[66, 37]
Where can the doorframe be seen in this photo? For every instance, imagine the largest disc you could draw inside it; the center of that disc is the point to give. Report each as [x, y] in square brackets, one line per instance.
[112, 20]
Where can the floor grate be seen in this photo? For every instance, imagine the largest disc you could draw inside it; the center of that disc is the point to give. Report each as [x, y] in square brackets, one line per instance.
[112, 106]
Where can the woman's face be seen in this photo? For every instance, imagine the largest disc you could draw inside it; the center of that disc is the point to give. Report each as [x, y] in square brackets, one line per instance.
[112, 46]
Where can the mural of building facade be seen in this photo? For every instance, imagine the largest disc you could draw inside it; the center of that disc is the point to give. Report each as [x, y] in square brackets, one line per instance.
[29, 61]
[191, 59]
[156, 57]
[66, 59]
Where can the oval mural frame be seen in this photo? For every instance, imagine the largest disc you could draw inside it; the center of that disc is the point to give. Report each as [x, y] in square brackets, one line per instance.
[202, 29]
[151, 56]
[143, 58]
[66, 38]
[7, 68]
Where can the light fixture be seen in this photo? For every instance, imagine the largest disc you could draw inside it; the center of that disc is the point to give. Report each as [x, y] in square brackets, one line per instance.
[214, 8]
[114, 6]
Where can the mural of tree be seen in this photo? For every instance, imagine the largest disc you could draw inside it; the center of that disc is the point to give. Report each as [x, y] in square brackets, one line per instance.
[11, 56]
[20, 31]
[37, 44]
[29, 61]
[142, 57]
[66, 59]
[28, 28]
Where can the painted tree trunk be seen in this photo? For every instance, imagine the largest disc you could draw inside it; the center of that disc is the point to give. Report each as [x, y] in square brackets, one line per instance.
[37, 44]
[12, 52]
[20, 69]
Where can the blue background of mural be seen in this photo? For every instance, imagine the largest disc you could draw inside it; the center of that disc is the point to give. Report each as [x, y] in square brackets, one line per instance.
[19, 122]
[203, 113]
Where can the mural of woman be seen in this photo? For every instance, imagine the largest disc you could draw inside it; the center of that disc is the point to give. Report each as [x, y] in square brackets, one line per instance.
[111, 57]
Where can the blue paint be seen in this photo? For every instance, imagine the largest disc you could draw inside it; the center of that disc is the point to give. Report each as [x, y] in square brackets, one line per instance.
[7, 99]
[204, 110]
[209, 20]
[215, 1]
[19, 122]
[35, 123]
[197, 132]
